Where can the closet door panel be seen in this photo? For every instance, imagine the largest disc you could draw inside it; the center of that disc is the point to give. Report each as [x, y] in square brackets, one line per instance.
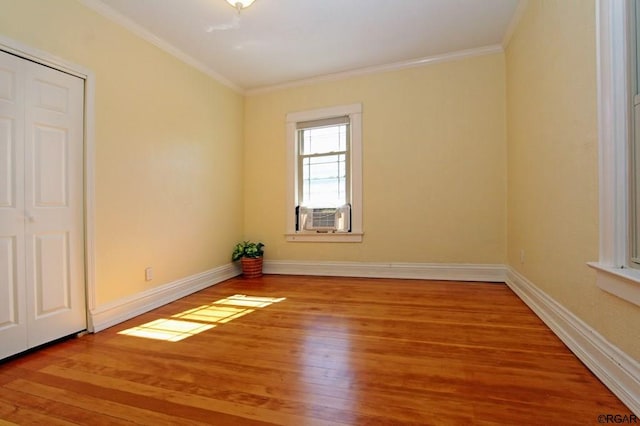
[13, 318]
[54, 204]
[42, 286]
[54, 187]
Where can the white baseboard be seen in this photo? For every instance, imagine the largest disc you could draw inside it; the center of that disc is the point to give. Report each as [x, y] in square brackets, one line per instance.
[115, 312]
[109, 314]
[618, 371]
[421, 271]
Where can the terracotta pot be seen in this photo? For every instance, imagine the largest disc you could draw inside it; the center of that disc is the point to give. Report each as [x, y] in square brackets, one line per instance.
[251, 267]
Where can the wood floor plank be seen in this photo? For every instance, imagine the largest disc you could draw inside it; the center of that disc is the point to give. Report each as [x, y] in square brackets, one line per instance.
[334, 351]
[15, 406]
[66, 407]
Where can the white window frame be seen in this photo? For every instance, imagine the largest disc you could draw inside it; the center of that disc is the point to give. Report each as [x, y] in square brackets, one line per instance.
[613, 272]
[354, 111]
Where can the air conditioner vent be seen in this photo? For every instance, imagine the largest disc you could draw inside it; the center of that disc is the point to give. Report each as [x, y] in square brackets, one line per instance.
[324, 219]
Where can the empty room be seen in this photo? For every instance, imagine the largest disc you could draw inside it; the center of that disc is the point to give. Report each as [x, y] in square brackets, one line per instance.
[319, 212]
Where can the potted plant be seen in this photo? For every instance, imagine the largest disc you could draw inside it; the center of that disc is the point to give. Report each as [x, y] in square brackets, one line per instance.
[250, 254]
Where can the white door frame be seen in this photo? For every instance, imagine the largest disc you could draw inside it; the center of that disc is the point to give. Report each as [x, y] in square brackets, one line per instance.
[27, 52]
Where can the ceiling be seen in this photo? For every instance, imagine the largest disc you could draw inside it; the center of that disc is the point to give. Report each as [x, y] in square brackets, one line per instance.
[276, 42]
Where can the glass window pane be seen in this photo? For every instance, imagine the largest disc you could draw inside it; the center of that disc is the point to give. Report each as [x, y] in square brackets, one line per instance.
[324, 139]
[324, 181]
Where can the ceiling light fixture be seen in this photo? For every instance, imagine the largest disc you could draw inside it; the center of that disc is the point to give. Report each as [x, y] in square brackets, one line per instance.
[240, 4]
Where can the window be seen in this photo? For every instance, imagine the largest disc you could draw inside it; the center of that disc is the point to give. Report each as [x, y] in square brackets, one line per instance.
[616, 270]
[634, 150]
[324, 194]
[323, 154]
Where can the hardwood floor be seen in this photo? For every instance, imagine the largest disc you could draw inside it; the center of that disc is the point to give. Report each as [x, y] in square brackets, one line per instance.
[314, 350]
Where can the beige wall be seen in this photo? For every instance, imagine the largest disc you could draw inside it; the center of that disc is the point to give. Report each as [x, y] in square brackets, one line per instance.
[553, 164]
[434, 159]
[168, 143]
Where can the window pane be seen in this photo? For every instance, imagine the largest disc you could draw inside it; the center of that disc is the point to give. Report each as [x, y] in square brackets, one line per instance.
[324, 181]
[324, 139]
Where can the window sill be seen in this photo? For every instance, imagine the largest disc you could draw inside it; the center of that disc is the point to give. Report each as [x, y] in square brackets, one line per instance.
[351, 237]
[621, 282]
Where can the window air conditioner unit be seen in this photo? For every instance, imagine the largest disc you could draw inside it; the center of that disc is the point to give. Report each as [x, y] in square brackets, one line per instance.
[324, 219]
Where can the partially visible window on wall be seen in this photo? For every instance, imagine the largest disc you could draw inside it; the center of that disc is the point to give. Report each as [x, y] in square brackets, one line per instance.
[325, 179]
[618, 266]
[634, 166]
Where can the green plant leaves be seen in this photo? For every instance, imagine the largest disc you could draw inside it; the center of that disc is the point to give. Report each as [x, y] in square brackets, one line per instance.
[247, 249]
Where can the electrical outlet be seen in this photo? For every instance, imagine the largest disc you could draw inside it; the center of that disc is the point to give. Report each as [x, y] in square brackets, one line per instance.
[148, 273]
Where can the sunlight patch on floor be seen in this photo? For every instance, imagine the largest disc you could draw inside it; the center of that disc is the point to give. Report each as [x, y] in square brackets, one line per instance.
[166, 329]
[194, 321]
[210, 313]
[253, 301]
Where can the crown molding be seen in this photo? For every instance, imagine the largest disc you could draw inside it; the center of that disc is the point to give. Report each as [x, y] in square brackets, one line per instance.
[118, 18]
[513, 24]
[413, 63]
[143, 33]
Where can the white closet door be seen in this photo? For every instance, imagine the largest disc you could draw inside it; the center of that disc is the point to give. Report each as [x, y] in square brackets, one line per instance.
[13, 312]
[48, 169]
